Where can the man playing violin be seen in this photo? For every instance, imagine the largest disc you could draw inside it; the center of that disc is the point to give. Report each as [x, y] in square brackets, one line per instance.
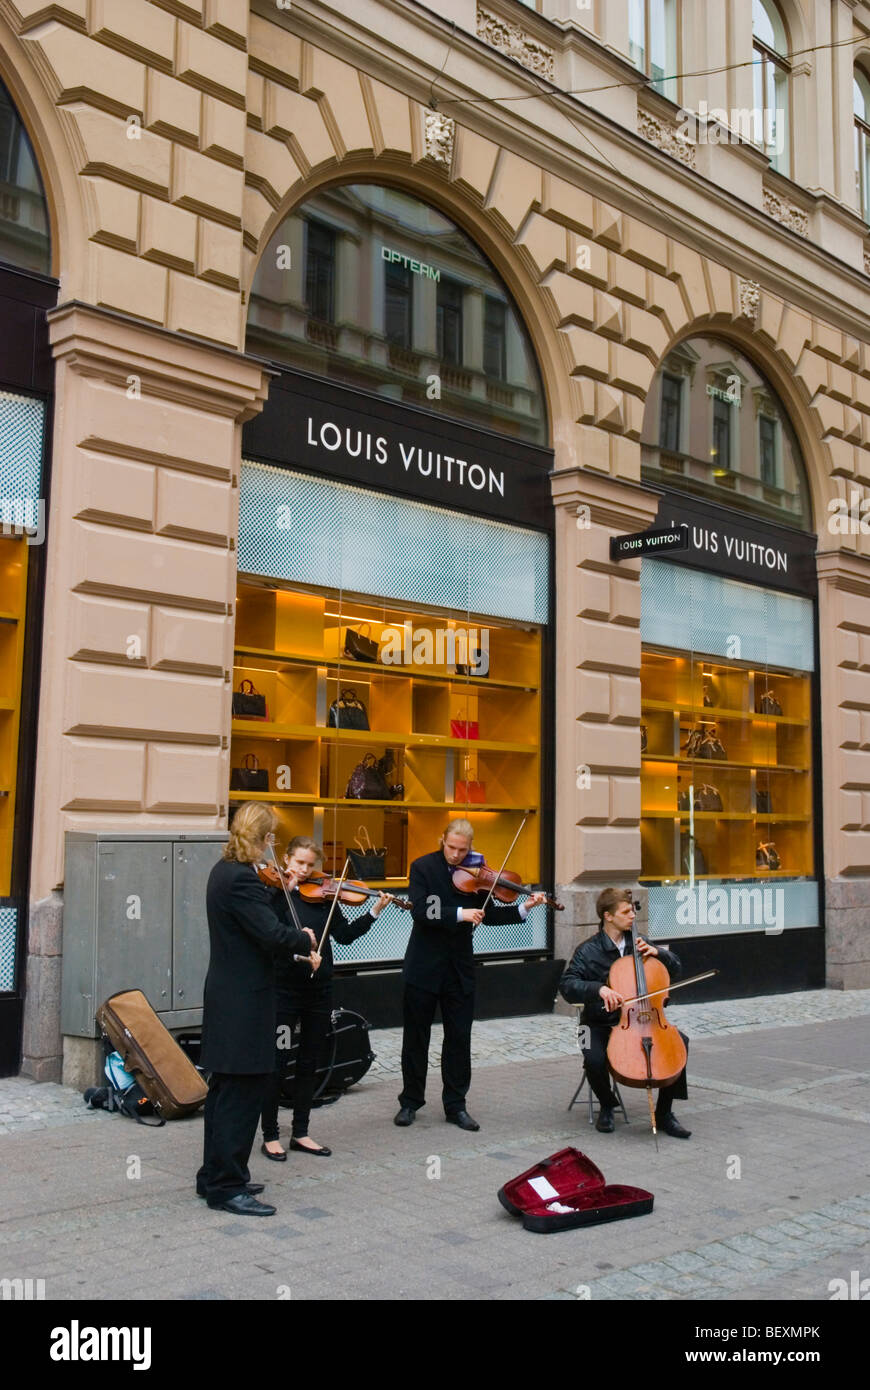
[585, 982]
[439, 969]
[306, 998]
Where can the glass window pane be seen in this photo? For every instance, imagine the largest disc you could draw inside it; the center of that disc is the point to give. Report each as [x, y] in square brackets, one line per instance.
[637, 34]
[24, 230]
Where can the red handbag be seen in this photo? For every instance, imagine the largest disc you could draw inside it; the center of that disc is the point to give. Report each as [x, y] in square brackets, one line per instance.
[471, 792]
[464, 728]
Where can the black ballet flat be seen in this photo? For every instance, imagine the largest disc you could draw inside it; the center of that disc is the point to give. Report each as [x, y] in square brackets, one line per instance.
[322, 1152]
[276, 1158]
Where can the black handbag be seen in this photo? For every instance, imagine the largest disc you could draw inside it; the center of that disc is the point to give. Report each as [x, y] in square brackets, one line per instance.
[347, 712]
[766, 856]
[367, 782]
[707, 798]
[762, 803]
[360, 646]
[248, 704]
[693, 744]
[711, 746]
[367, 862]
[769, 704]
[250, 777]
[690, 847]
[683, 801]
[643, 738]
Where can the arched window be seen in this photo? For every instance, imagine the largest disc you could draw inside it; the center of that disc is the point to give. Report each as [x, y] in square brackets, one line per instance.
[861, 107]
[652, 42]
[714, 427]
[370, 286]
[771, 71]
[24, 226]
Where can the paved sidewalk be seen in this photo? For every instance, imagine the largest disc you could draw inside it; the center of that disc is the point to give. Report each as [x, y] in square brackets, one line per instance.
[769, 1199]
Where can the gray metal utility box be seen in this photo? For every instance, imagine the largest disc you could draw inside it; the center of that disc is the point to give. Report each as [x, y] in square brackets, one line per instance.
[134, 918]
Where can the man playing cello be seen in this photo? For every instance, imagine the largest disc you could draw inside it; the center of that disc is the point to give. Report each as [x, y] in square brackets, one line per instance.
[585, 982]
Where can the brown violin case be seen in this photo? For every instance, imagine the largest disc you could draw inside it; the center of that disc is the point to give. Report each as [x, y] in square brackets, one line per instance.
[168, 1077]
[568, 1190]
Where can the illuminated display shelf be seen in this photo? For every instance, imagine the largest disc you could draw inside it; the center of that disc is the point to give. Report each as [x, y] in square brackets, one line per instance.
[13, 585]
[289, 645]
[765, 753]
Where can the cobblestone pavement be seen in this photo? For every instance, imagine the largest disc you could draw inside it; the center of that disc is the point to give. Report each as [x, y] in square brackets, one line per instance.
[770, 1199]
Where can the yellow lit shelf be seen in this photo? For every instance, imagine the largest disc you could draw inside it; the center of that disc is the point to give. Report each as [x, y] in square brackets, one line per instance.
[328, 802]
[712, 715]
[755, 879]
[258, 728]
[712, 763]
[371, 668]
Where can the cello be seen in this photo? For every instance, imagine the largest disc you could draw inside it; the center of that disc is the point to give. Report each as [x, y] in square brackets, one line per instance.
[643, 1049]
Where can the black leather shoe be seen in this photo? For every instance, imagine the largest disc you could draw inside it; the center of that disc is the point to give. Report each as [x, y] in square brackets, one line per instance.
[253, 1188]
[669, 1124]
[243, 1205]
[276, 1158]
[322, 1152]
[463, 1119]
[605, 1124]
[405, 1116]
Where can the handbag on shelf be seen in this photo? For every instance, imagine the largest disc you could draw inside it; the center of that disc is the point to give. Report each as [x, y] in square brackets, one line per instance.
[250, 777]
[766, 856]
[711, 746]
[708, 798]
[707, 696]
[693, 743]
[684, 801]
[347, 712]
[249, 704]
[360, 646]
[385, 765]
[471, 793]
[464, 728]
[762, 803]
[366, 861]
[478, 666]
[692, 859]
[769, 704]
[367, 782]
[643, 738]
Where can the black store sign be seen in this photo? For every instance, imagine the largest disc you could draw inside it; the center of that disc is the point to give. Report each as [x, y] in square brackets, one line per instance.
[319, 427]
[741, 547]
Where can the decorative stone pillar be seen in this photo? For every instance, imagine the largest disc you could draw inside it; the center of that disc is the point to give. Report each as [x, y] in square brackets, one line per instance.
[134, 713]
[844, 640]
[597, 695]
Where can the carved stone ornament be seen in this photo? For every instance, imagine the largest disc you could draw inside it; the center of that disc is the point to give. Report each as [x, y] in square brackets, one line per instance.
[440, 131]
[789, 214]
[750, 297]
[665, 137]
[515, 43]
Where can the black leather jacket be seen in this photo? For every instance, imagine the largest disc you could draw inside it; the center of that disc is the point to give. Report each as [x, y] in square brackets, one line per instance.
[588, 971]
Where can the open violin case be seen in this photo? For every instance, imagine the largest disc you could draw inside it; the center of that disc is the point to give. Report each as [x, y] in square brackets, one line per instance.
[568, 1190]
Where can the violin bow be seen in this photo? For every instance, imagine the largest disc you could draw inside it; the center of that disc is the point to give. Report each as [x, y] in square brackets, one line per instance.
[681, 984]
[503, 862]
[293, 913]
[332, 909]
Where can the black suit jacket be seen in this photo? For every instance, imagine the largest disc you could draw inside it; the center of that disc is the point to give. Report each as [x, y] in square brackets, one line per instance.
[441, 947]
[589, 969]
[238, 1018]
[293, 976]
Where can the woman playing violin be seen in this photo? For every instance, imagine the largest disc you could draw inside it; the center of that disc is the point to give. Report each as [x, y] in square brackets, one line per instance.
[306, 999]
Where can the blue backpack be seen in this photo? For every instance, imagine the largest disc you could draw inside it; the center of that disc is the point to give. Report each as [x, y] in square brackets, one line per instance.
[123, 1093]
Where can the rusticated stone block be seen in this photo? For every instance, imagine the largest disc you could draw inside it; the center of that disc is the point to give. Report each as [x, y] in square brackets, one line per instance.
[274, 52]
[208, 311]
[144, 705]
[113, 213]
[109, 631]
[219, 254]
[45, 926]
[185, 781]
[142, 162]
[90, 72]
[474, 161]
[198, 643]
[172, 108]
[227, 20]
[136, 28]
[142, 569]
[132, 285]
[389, 117]
[223, 132]
[324, 75]
[291, 117]
[212, 66]
[152, 429]
[102, 774]
[206, 186]
[193, 508]
[168, 235]
[516, 188]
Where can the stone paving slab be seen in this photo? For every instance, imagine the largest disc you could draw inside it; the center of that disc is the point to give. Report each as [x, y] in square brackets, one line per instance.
[413, 1213]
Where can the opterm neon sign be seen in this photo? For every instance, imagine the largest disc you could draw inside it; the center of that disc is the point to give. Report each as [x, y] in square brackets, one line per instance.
[415, 267]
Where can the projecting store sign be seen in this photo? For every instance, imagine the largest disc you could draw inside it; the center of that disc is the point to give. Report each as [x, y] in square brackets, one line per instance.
[647, 543]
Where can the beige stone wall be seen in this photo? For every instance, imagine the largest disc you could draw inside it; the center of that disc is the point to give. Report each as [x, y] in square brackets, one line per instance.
[175, 135]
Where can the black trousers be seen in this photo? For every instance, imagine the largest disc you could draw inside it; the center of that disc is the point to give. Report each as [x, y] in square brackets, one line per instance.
[457, 1015]
[232, 1107]
[598, 1072]
[312, 1010]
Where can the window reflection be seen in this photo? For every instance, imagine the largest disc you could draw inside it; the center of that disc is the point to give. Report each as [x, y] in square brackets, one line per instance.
[371, 287]
[714, 427]
[24, 231]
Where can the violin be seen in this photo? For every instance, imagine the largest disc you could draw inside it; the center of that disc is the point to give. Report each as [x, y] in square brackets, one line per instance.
[505, 886]
[643, 1048]
[319, 887]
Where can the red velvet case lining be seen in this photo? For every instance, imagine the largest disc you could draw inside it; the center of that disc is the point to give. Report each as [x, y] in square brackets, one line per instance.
[578, 1182]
